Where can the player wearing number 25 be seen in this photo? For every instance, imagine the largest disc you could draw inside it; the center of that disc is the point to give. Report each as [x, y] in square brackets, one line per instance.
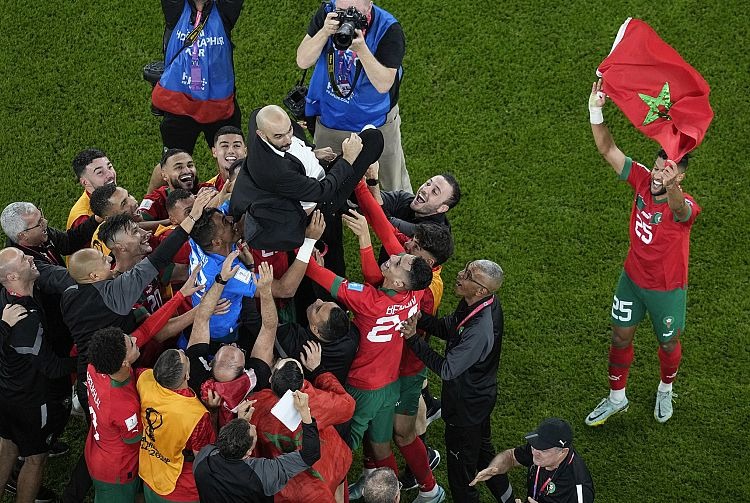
[654, 278]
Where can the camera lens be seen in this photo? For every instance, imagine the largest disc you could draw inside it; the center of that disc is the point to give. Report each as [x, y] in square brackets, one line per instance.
[342, 39]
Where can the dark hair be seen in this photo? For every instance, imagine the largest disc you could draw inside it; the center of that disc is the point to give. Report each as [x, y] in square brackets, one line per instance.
[114, 224]
[436, 240]
[175, 196]
[107, 350]
[682, 163]
[287, 377]
[99, 199]
[227, 130]
[420, 275]
[204, 228]
[337, 325]
[455, 193]
[171, 152]
[169, 370]
[84, 158]
[234, 439]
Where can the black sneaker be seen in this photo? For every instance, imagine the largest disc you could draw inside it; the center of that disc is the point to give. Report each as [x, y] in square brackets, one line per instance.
[58, 449]
[434, 456]
[44, 495]
[407, 479]
[408, 482]
[434, 410]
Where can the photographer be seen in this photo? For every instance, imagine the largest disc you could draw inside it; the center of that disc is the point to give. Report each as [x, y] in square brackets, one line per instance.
[357, 48]
[196, 92]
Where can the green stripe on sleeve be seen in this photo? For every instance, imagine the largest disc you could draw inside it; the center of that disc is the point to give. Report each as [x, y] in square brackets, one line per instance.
[626, 169]
[336, 285]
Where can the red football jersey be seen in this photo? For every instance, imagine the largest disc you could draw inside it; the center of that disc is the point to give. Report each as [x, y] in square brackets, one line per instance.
[154, 204]
[279, 260]
[378, 314]
[659, 245]
[114, 437]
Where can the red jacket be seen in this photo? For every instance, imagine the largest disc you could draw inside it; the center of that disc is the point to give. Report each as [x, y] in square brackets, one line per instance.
[330, 404]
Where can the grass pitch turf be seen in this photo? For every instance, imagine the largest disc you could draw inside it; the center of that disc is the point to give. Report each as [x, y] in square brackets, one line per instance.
[495, 92]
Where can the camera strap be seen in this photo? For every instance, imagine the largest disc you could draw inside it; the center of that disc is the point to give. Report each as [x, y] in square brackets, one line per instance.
[193, 35]
[332, 79]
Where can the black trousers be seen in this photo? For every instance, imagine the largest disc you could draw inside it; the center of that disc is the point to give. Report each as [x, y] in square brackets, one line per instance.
[80, 482]
[181, 131]
[469, 450]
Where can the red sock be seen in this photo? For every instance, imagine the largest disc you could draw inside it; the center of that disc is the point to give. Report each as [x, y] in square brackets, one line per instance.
[415, 456]
[389, 462]
[619, 366]
[669, 363]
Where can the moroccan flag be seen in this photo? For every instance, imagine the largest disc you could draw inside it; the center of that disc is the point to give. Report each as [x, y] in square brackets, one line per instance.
[661, 94]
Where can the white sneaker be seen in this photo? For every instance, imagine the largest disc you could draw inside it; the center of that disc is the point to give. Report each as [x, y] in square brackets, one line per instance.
[604, 410]
[663, 409]
[438, 498]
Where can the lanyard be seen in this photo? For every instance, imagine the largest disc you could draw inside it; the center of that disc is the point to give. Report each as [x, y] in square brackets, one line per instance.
[195, 44]
[548, 481]
[475, 311]
[332, 79]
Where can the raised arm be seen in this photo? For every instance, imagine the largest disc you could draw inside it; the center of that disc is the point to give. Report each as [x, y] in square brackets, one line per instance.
[263, 348]
[602, 137]
[370, 269]
[286, 286]
[311, 46]
[383, 228]
[671, 179]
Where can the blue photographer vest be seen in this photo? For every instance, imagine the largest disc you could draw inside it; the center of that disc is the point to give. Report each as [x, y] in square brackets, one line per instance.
[365, 105]
[199, 82]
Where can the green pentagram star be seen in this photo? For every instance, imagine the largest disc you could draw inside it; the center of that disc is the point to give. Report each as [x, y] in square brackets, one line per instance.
[654, 102]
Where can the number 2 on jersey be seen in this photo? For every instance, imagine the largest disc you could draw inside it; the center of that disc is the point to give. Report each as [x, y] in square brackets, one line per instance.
[386, 326]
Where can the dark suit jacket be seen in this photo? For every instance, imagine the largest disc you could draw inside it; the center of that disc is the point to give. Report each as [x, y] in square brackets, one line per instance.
[269, 189]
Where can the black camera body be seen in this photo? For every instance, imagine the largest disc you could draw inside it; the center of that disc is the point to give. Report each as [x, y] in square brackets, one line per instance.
[351, 19]
[295, 100]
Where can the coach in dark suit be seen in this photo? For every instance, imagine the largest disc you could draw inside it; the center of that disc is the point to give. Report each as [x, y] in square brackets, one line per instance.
[282, 171]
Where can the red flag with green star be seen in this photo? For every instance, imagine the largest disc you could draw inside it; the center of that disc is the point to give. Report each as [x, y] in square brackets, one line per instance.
[661, 94]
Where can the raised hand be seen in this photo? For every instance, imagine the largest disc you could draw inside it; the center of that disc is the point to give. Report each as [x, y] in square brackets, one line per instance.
[191, 286]
[597, 98]
[671, 175]
[316, 226]
[265, 278]
[311, 355]
[356, 222]
[227, 271]
[351, 147]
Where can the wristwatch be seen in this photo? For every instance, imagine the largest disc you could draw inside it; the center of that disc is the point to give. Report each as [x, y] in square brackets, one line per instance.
[220, 280]
[371, 182]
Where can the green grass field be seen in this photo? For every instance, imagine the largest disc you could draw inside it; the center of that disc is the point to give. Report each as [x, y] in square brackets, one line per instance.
[495, 92]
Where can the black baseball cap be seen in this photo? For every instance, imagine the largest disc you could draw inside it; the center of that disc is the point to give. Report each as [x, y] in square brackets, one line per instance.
[552, 432]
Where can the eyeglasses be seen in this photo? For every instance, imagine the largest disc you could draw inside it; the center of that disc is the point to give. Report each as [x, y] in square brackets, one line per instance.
[466, 273]
[39, 224]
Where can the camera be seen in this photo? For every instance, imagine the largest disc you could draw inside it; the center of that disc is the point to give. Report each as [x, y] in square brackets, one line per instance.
[295, 100]
[351, 19]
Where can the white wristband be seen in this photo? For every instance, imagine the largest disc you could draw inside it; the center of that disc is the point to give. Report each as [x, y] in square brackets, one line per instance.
[595, 115]
[305, 251]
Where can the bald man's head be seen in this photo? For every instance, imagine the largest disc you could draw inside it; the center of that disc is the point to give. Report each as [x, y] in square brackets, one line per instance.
[16, 267]
[275, 127]
[89, 265]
